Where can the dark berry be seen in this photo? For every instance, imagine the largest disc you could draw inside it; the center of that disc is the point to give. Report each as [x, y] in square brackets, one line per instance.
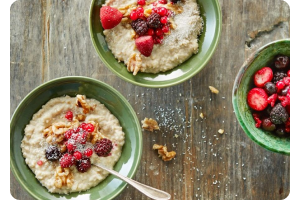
[52, 153]
[139, 26]
[277, 76]
[153, 21]
[281, 62]
[268, 125]
[69, 115]
[270, 88]
[285, 90]
[67, 160]
[175, 1]
[83, 165]
[103, 147]
[279, 114]
[280, 132]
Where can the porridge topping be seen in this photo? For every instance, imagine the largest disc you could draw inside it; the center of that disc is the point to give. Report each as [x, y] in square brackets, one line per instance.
[151, 29]
[65, 137]
[150, 124]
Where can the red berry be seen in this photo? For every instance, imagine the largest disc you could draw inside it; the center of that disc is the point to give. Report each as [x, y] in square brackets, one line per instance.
[89, 127]
[141, 2]
[145, 45]
[83, 165]
[69, 115]
[88, 152]
[165, 29]
[288, 73]
[285, 100]
[110, 17]
[133, 15]
[162, 1]
[67, 160]
[77, 155]
[103, 147]
[159, 32]
[170, 13]
[155, 9]
[140, 10]
[150, 31]
[68, 134]
[82, 125]
[280, 85]
[160, 37]
[164, 19]
[154, 4]
[257, 99]
[263, 76]
[286, 80]
[71, 147]
[162, 11]
[257, 120]
[40, 163]
[272, 99]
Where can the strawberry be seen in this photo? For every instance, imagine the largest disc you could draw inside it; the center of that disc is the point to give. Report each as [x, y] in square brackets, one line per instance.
[110, 17]
[263, 76]
[257, 99]
[145, 45]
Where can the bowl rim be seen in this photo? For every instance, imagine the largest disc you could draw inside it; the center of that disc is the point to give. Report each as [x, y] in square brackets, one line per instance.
[236, 85]
[80, 78]
[162, 85]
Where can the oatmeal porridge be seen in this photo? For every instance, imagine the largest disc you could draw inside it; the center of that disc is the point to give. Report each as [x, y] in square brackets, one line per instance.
[151, 36]
[65, 137]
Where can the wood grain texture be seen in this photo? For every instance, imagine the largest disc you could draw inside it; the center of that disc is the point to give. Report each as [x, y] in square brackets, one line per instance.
[50, 39]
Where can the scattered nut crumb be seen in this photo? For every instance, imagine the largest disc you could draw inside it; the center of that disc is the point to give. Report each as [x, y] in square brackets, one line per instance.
[221, 131]
[201, 115]
[176, 136]
[163, 153]
[149, 124]
[213, 90]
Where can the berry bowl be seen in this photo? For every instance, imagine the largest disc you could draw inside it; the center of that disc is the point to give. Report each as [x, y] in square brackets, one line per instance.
[112, 99]
[212, 17]
[264, 56]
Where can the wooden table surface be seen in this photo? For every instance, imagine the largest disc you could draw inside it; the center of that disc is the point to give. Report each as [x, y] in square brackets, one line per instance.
[50, 39]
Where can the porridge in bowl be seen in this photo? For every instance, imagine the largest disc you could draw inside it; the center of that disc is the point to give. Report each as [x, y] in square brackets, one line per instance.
[151, 36]
[65, 137]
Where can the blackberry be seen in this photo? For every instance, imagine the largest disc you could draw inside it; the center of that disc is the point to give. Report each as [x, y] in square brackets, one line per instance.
[279, 114]
[281, 62]
[153, 21]
[103, 147]
[52, 153]
[175, 1]
[139, 26]
[83, 165]
[278, 76]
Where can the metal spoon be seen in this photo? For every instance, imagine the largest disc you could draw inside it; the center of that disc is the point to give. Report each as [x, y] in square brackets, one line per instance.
[145, 189]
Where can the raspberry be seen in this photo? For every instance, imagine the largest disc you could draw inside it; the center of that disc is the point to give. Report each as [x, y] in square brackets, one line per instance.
[141, 2]
[134, 15]
[71, 147]
[103, 147]
[139, 26]
[40, 163]
[89, 127]
[153, 21]
[68, 134]
[165, 29]
[272, 99]
[164, 20]
[52, 153]
[77, 155]
[88, 152]
[257, 120]
[162, 11]
[285, 100]
[83, 165]
[67, 160]
[140, 11]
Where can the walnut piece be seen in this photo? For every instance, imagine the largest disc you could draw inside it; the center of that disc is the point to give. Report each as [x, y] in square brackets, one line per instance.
[163, 153]
[80, 117]
[149, 124]
[221, 131]
[96, 134]
[80, 102]
[63, 177]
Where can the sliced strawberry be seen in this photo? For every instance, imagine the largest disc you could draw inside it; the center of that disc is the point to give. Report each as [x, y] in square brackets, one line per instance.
[110, 17]
[145, 45]
[257, 99]
[263, 76]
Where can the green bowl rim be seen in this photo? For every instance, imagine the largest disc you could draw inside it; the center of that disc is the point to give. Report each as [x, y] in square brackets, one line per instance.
[81, 78]
[236, 85]
[214, 46]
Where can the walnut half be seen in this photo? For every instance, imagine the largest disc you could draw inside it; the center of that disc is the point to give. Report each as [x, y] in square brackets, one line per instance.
[163, 152]
[63, 177]
[81, 102]
[150, 124]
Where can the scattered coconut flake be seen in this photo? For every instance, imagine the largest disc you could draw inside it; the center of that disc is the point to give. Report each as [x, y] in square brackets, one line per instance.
[213, 90]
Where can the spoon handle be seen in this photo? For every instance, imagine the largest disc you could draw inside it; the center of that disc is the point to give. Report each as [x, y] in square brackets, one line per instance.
[145, 189]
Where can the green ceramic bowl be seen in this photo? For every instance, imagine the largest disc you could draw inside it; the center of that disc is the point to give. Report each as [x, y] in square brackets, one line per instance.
[211, 14]
[112, 99]
[244, 82]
